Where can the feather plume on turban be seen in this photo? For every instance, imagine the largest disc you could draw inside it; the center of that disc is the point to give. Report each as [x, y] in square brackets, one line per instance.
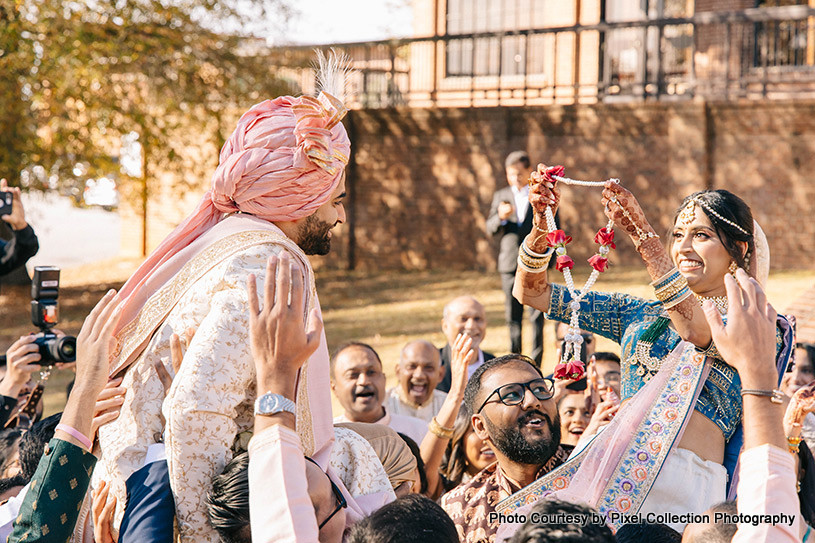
[283, 161]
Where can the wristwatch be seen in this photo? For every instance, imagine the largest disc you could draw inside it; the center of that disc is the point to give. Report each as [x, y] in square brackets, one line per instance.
[271, 404]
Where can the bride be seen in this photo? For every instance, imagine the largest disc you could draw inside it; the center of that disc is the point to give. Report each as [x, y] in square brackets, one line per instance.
[684, 435]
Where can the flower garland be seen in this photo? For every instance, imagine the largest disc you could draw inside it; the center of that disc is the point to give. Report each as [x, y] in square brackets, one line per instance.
[570, 366]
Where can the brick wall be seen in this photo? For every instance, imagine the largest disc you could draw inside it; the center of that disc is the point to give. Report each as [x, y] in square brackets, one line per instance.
[421, 180]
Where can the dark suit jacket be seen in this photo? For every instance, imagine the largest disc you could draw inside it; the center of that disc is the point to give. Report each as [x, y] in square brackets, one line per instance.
[446, 353]
[511, 234]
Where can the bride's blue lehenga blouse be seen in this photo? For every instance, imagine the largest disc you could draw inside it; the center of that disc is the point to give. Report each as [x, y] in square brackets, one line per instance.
[624, 319]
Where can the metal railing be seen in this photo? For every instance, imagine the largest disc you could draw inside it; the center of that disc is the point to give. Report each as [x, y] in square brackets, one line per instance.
[761, 53]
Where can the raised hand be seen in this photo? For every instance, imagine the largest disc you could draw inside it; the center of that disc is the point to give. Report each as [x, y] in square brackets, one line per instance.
[603, 414]
[544, 191]
[623, 208]
[747, 342]
[21, 362]
[93, 344]
[280, 342]
[17, 217]
[463, 355]
[802, 403]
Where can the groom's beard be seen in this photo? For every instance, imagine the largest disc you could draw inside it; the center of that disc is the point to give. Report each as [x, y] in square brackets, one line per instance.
[315, 236]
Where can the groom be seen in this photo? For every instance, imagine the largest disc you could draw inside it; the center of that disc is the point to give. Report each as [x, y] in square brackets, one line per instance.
[279, 187]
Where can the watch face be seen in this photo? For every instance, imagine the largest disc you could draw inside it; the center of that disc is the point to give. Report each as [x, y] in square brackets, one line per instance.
[269, 404]
[272, 403]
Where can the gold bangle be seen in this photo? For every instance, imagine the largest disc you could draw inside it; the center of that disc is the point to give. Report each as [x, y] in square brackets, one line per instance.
[793, 443]
[438, 430]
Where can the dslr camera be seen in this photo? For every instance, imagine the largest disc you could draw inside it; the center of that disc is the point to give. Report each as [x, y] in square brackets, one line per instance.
[45, 315]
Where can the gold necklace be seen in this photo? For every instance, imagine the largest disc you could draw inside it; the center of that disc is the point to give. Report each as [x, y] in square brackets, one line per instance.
[719, 301]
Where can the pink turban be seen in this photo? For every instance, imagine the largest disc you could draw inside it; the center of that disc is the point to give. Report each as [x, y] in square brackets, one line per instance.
[283, 161]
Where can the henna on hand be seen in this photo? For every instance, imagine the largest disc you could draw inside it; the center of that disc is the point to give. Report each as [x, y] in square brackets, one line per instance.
[625, 211]
[686, 307]
[532, 289]
[802, 403]
[543, 193]
[656, 258]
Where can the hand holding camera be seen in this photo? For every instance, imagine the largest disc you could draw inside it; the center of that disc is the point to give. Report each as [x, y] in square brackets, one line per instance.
[11, 206]
[22, 359]
[45, 315]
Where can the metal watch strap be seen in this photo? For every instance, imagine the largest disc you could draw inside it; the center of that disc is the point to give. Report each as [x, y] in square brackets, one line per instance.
[271, 404]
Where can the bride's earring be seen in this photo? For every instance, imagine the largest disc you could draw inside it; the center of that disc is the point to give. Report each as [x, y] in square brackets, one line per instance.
[732, 268]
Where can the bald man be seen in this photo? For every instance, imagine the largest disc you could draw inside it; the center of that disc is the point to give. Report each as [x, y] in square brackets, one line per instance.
[418, 372]
[462, 315]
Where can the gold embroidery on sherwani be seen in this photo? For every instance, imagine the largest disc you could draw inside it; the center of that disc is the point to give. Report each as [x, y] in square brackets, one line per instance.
[150, 317]
[210, 295]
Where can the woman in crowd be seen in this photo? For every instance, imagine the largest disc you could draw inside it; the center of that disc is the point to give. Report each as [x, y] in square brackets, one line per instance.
[688, 458]
[574, 418]
[466, 453]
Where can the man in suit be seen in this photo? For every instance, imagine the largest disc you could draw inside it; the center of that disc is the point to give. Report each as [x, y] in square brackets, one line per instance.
[462, 315]
[510, 220]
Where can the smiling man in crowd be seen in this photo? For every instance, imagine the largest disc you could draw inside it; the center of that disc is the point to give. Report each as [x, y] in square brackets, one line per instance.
[515, 414]
[358, 383]
[462, 315]
[418, 372]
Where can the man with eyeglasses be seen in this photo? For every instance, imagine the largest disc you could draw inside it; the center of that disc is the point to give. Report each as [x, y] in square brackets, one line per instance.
[514, 412]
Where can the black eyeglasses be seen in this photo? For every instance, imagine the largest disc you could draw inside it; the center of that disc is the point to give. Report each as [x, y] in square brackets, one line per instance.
[513, 393]
[342, 503]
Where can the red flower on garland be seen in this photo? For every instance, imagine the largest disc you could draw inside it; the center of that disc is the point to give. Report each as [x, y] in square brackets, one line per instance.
[599, 263]
[564, 261]
[574, 369]
[558, 238]
[554, 170]
[605, 237]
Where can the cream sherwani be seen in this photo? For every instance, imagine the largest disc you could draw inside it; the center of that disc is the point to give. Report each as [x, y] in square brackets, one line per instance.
[211, 399]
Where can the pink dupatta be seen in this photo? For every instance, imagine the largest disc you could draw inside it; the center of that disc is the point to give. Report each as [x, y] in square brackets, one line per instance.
[616, 470]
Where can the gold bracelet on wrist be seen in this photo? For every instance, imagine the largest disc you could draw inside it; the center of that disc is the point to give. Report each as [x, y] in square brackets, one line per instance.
[531, 261]
[671, 289]
[438, 430]
[793, 443]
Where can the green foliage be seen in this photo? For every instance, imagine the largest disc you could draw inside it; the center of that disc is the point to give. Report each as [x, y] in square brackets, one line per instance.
[78, 75]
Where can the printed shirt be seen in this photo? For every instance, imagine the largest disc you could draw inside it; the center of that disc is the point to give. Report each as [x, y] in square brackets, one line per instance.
[470, 504]
[51, 506]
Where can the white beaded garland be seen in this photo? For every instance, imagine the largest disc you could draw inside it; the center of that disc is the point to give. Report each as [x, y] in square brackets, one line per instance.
[574, 339]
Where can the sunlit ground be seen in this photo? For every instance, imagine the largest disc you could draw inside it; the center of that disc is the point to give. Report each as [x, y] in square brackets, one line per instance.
[385, 309]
